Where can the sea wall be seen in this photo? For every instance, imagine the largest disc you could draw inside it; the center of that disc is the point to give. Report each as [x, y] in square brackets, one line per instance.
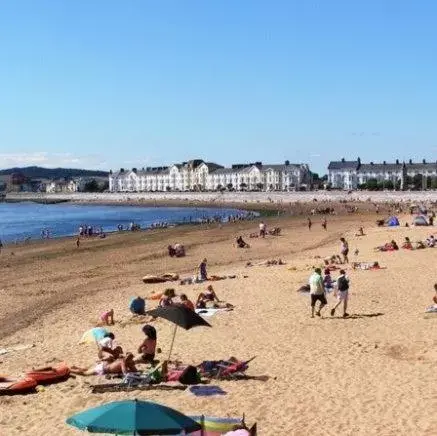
[231, 197]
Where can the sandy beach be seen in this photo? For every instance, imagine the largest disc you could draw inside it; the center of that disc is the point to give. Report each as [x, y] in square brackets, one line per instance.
[371, 374]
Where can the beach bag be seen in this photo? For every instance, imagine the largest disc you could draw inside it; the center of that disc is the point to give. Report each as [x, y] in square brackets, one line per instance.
[343, 284]
[189, 376]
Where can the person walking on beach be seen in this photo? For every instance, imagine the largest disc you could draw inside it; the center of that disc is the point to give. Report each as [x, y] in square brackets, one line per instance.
[325, 224]
[262, 229]
[203, 275]
[309, 223]
[1, 246]
[78, 242]
[317, 292]
[342, 293]
[344, 250]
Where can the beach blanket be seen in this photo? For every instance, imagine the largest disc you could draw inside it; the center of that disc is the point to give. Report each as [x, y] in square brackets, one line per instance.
[206, 391]
[431, 309]
[211, 312]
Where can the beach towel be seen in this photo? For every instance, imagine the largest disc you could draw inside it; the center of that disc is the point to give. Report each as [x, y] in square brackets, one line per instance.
[206, 391]
[210, 312]
[431, 309]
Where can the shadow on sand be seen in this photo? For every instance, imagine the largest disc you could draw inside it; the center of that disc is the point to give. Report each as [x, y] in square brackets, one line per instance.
[357, 316]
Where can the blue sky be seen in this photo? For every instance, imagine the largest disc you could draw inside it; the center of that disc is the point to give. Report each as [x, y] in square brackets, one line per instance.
[109, 84]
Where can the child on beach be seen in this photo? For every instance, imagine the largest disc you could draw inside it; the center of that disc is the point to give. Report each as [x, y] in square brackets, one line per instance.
[147, 348]
[107, 317]
[327, 281]
[342, 293]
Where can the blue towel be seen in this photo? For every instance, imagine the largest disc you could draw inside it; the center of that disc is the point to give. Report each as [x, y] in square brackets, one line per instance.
[206, 391]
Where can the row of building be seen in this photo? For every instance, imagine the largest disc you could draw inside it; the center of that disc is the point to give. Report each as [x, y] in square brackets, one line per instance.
[197, 175]
[350, 175]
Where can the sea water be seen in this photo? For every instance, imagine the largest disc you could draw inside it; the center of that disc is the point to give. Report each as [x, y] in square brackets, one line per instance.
[26, 220]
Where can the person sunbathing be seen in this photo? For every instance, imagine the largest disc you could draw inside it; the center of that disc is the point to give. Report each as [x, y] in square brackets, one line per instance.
[167, 298]
[407, 245]
[209, 299]
[366, 265]
[241, 243]
[390, 246]
[122, 365]
[186, 302]
[419, 245]
[431, 241]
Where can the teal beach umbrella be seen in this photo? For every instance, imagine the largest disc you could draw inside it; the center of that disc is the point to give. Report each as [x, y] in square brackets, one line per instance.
[133, 417]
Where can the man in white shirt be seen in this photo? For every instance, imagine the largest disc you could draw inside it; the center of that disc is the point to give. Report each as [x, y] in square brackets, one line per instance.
[262, 229]
[317, 292]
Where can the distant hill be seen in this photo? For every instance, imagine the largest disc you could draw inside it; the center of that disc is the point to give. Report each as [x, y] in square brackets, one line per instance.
[52, 173]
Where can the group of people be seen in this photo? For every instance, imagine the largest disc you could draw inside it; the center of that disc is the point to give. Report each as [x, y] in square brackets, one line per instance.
[89, 231]
[430, 242]
[113, 360]
[319, 287]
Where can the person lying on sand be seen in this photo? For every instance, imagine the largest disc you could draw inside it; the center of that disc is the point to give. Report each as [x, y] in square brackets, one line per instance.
[365, 265]
[407, 245]
[335, 259]
[419, 245]
[431, 241]
[122, 365]
[389, 246]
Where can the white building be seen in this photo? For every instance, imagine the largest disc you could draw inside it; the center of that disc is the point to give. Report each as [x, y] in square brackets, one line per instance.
[349, 175]
[261, 177]
[188, 176]
[199, 175]
[64, 186]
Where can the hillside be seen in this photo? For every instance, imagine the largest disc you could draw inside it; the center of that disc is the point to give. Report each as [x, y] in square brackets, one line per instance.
[35, 172]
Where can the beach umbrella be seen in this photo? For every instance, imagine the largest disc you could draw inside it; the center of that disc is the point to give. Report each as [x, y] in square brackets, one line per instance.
[93, 335]
[180, 316]
[133, 417]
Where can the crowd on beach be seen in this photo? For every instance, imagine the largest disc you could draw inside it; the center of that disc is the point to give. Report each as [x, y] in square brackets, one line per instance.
[112, 359]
